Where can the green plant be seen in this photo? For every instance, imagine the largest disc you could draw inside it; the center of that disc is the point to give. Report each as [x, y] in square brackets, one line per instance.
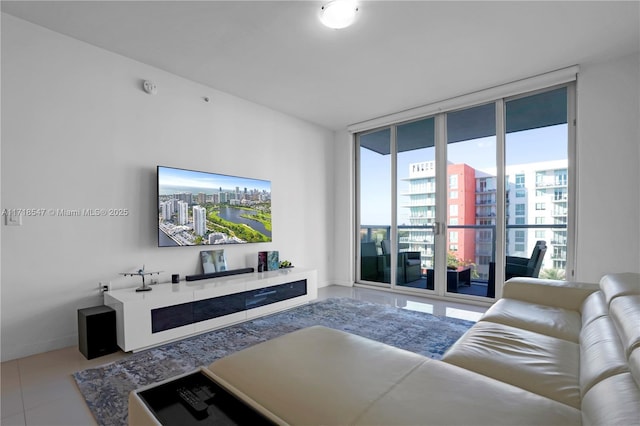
[552, 274]
[454, 262]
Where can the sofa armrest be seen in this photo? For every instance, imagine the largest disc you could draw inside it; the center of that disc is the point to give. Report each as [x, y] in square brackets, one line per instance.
[561, 294]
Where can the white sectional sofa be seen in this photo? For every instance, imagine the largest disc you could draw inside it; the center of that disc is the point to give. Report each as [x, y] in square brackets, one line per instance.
[564, 342]
[547, 353]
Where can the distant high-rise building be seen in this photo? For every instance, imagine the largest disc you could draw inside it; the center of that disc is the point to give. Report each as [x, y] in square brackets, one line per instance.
[166, 209]
[199, 220]
[183, 213]
[461, 199]
[536, 195]
[422, 210]
[186, 197]
[485, 221]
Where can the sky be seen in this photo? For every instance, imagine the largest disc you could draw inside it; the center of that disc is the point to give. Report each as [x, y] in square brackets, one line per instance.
[530, 146]
[207, 182]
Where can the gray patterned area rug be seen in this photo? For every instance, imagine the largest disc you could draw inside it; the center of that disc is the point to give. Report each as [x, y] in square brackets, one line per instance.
[106, 388]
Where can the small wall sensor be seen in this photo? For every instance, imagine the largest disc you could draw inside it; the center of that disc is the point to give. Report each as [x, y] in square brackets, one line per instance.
[150, 87]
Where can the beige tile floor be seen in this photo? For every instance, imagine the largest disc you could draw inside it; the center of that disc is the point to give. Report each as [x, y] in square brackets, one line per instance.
[39, 391]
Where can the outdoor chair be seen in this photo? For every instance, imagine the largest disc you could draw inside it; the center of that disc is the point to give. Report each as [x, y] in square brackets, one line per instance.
[409, 263]
[526, 267]
[518, 267]
[369, 261]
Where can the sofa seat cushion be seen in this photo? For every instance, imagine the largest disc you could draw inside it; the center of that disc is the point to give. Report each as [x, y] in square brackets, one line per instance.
[551, 321]
[437, 393]
[538, 363]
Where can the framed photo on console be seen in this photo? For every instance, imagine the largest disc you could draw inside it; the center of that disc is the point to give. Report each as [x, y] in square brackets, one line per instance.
[213, 261]
[220, 260]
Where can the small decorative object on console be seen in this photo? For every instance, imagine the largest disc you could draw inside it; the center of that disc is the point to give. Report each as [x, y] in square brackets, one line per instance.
[273, 260]
[285, 264]
[262, 261]
[141, 273]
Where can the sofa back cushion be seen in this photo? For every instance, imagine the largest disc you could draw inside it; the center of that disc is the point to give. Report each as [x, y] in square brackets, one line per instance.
[613, 401]
[601, 353]
[610, 352]
[594, 307]
[625, 312]
[616, 285]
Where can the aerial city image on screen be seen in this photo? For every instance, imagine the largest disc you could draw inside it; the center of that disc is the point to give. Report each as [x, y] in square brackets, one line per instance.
[199, 208]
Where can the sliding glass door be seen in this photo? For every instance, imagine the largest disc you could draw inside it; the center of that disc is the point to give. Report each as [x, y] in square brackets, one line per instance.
[471, 198]
[454, 203]
[397, 245]
[416, 218]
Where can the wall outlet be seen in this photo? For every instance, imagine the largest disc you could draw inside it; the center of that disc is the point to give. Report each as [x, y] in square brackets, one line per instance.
[104, 286]
[12, 220]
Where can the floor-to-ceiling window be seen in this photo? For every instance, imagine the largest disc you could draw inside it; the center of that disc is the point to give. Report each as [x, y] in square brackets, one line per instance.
[471, 198]
[374, 204]
[416, 208]
[447, 201]
[536, 165]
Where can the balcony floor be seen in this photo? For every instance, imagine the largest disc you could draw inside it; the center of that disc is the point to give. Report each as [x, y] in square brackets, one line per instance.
[477, 288]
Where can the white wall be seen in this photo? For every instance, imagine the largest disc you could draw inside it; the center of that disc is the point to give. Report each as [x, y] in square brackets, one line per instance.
[79, 132]
[608, 137]
[344, 220]
[608, 204]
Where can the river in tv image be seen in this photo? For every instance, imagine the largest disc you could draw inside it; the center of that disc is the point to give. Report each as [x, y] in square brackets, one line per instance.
[233, 215]
[164, 240]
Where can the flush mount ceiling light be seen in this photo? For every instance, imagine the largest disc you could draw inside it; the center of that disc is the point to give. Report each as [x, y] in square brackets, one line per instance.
[338, 14]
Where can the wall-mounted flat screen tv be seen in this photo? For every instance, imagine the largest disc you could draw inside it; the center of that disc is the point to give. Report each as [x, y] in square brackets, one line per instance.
[200, 208]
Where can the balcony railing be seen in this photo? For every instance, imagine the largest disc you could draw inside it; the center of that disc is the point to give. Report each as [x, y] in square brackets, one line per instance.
[421, 239]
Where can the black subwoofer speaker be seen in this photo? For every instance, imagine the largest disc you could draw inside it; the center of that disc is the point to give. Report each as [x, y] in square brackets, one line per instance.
[97, 331]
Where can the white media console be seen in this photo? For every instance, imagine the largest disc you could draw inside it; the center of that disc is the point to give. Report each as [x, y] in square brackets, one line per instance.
[174, 311]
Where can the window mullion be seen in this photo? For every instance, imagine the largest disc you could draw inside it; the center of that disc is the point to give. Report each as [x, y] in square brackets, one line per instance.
[500, 229]
[440, 240]
[393, 232]
[572, 187]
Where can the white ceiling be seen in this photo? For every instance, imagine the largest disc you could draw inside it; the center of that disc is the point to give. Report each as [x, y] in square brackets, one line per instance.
[397, 55]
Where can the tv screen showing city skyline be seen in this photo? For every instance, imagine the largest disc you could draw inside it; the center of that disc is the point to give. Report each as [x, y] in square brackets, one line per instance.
[202, 208]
